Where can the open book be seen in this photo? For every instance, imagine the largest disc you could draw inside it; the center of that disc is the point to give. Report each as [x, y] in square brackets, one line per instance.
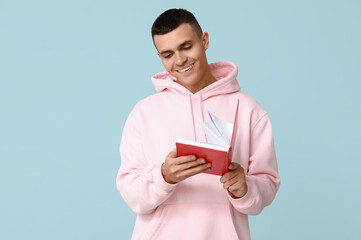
[218, 151]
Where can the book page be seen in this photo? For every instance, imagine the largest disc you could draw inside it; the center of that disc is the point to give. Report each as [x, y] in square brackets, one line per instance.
[223, 127]
[211, 139]
[203, 145]
[211, 134]
[214, 122]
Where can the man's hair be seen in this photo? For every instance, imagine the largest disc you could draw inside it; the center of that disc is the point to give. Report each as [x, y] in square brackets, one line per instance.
[171, 19]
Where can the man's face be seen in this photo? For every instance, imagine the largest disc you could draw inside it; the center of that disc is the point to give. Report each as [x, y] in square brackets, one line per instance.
[183, 55]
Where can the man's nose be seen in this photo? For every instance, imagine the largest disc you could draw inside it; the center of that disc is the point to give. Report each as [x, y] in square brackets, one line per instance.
[180, 59]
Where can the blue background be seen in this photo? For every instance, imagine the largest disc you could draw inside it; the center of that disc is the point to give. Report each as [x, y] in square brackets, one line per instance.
[71, 71]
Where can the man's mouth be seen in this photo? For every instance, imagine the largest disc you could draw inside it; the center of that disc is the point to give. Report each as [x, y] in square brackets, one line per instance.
[186, 69]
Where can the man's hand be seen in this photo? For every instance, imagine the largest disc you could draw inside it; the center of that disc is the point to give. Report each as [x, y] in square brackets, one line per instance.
[235, 181]
[176, 169]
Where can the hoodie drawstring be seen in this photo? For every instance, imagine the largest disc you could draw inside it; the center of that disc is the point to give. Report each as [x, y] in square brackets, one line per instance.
[193, 120]
[201, 115]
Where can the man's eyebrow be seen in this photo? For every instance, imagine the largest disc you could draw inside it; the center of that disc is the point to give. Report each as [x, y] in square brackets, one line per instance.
[180, 46]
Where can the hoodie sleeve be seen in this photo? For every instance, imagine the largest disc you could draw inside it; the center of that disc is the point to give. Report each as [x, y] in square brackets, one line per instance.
[141, 185]
[262, 177]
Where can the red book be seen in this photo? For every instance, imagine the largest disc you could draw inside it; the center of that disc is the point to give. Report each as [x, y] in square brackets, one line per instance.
[218, 150]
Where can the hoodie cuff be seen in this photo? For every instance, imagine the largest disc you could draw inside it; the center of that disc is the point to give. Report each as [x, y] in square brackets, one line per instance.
[159, 180]
[245, 201]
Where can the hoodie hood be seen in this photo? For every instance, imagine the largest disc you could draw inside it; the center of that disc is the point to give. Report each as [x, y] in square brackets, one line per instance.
[224, 72]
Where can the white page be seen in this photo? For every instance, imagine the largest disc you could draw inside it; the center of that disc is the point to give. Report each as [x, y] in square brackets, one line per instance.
[204, 145]
[211, 139]
[222, 126]
[211, 134]
[216, 127]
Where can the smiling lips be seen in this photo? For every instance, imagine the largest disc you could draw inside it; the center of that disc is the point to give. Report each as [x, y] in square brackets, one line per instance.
[186, 69]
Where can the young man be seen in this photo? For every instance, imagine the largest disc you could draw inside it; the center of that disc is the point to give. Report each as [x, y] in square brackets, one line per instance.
[173, 197]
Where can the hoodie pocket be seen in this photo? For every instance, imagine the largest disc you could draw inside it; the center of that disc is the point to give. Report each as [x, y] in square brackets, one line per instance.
[192, 221]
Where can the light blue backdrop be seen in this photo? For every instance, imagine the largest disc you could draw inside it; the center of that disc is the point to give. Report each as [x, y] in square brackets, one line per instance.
[71, 71]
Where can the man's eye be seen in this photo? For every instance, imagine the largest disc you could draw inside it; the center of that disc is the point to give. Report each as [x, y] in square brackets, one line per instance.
[188, 47]
[167, 56]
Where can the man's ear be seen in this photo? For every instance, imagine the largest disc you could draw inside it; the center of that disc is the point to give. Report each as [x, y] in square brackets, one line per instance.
[205, 40]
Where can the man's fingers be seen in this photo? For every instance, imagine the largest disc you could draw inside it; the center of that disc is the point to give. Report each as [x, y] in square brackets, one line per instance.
[191, 164]
[228, 176]
[195, 170]
[230, 182]
[173, 154]
[233, 166]
[176, 169]
[185, 159]
[235, 187]
[172, 157]
[194, 163]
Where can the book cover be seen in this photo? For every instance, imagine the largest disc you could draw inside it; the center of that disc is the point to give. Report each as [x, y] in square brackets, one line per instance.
[218, 150]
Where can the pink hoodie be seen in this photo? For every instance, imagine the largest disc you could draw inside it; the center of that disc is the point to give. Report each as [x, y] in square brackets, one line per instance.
[198, 207]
